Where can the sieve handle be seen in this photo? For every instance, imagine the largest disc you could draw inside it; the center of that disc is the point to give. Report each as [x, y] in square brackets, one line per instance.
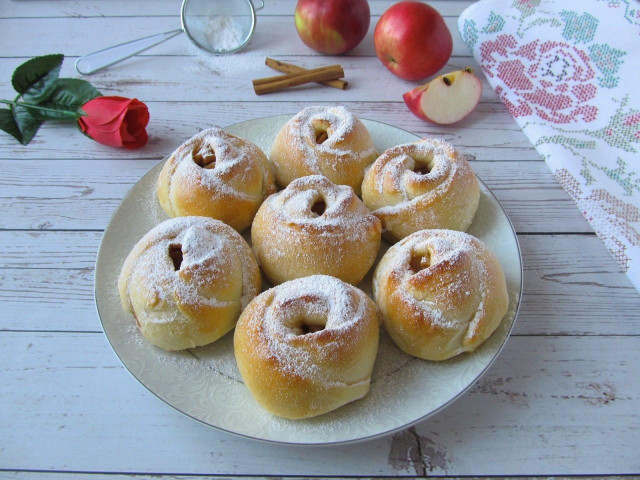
[261, 5]
[95, 61]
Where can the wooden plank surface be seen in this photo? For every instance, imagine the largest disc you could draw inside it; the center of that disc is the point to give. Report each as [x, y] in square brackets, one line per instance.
[276, 34]
[489, 133]
[544, 397]
[88, 191]
[562, 399]
[145, 8]
[571, 284]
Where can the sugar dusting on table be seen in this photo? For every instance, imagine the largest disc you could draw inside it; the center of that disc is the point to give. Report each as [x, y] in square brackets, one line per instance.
[224, 33]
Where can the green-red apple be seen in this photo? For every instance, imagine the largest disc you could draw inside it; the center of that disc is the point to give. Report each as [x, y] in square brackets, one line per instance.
[332, 26]
[412, 40]
[445, 99]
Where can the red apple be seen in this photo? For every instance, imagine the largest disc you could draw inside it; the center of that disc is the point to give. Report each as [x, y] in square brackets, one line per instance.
[445, 99]
[412, 40]
[332, 26]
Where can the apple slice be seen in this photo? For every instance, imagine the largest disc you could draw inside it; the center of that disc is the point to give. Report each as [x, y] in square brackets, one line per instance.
[445, 99]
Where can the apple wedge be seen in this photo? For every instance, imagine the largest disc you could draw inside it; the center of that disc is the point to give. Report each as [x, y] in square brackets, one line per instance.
[445, 99]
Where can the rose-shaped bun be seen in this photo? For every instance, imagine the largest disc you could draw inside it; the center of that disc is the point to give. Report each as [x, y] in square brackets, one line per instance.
[307, 347]
[328, 141]
[187, 280]
[315, 227]
[441, 293]
[421, 185]
[218, 175]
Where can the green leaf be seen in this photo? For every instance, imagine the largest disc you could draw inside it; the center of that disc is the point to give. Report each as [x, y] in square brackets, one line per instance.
[70, 94]
[26, 122]
[36, 79]
[8, 124]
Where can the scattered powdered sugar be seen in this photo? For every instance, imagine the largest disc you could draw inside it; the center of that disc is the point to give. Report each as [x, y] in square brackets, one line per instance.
[339, 123]
[224, 33]
[234, 159]
[397, 185]
[344, 218]
[335, 306]
[206, 248]
[232, 66]
[455, 251]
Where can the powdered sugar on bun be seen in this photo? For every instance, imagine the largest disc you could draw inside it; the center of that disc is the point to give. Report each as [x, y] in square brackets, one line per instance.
[315, 227]
[307, 346]
[187, 280]
[421, 185]
[328, 141]
[441, 293]
[218, 175]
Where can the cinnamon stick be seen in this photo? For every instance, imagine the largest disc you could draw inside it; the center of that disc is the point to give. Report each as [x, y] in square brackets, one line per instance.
[291, 68]
[273, 84]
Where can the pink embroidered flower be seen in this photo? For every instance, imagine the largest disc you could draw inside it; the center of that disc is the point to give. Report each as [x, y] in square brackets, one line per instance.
[553, 80]
[632, 122]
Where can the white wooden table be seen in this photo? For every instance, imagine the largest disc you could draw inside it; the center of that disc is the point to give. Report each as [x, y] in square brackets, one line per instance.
[562, 399]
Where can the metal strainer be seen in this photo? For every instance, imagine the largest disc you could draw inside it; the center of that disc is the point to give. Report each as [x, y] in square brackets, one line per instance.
[218, 26]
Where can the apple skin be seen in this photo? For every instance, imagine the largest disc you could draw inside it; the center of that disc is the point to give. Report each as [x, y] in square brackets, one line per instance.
[412, 40]
[332, 26]
[447, 98]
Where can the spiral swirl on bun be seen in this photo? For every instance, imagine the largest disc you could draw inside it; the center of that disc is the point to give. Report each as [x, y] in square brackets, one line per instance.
[441, 293]
[315, 227]
[307, 347]
[329, 141]
[421, 185]
[187, 280]
[218, 175]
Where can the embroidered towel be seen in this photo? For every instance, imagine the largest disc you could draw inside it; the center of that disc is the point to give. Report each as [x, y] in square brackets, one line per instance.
[569, 73]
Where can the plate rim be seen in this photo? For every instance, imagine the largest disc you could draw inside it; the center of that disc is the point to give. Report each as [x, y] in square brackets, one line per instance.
[312, 443]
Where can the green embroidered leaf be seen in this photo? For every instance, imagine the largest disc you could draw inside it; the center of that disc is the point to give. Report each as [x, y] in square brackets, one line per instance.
[495, 23]
[567, 141]
[469, 33]
[26, 122]
[8, 124]
[36, 79]
[70, 94]
[607, 61]
[582, 28]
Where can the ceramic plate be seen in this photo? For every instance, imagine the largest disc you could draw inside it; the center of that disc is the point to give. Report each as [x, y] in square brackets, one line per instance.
[204, 382]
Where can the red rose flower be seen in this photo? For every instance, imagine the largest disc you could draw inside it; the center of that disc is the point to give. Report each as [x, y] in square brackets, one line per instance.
[553, 80]
[115, 121]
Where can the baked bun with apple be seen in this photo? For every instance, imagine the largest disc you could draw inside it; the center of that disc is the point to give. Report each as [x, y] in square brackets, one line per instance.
[187, 280]
[441, 293]
[315, 227]
[307, 346]
[329, 141]
[218, 175]
[421, 185]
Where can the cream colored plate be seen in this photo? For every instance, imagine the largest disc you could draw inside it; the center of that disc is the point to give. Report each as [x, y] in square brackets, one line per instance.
[204, 383]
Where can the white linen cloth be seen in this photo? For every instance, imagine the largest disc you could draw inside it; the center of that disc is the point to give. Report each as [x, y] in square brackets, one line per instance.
[569, 73]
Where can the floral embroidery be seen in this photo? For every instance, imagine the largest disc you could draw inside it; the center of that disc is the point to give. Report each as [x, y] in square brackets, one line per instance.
[495, 23]
[582, 28]
[470, 33]
[550, 79]
[607, 60]
[526, 7]
[607, 214]
[566, 71]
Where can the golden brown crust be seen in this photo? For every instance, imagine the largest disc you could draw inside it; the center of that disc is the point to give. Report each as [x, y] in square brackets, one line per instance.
[307, 346]
[421, 185]
[315, 227]
[218, 175]
[328, 141]
[187, 280]
[441, 293]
